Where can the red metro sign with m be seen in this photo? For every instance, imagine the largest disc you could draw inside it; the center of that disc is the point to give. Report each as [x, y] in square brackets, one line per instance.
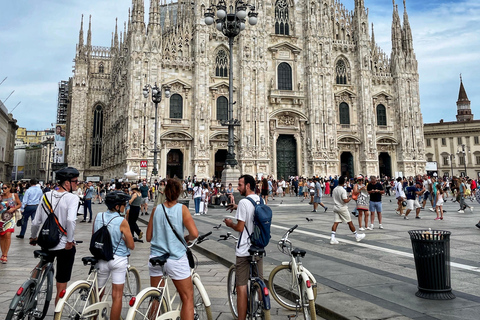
[143, 163]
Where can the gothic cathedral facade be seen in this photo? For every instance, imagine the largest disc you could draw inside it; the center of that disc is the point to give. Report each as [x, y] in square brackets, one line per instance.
[313, 92]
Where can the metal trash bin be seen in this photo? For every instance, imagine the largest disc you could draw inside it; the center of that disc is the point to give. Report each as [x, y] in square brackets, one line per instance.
[186, 202]
[431, 251]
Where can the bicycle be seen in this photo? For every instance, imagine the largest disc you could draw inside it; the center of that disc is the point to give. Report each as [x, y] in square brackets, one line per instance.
[157, 303]
[290, 283]
[258, 306]
[32, 299]
[84, 300]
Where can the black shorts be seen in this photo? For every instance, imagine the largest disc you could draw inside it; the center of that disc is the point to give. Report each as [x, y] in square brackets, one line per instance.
[264, 192]
[65, 259]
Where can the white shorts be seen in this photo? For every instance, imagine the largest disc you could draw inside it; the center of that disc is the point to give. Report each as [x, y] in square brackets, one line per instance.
[145, 200]
[413, 204]
[342, 214]
[175, 269]
[440, 202]
[116, 267]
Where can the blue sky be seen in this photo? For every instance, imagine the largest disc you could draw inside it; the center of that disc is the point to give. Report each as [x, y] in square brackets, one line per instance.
[38, 38]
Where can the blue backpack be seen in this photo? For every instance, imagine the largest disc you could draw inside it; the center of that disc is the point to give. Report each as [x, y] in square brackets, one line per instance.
[262, 220]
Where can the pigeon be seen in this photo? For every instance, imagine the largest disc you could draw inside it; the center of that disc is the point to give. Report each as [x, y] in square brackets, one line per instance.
[309, 220]
[217, 227]
[281, 202]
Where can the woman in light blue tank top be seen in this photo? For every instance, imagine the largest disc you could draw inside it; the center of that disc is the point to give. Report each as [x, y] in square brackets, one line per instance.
[164, 242]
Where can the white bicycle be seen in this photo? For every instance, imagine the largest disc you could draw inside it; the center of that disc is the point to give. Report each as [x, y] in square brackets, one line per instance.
[290, 283]
[84, 300]
[159, 303]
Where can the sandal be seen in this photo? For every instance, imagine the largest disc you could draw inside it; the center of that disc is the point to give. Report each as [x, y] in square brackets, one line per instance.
[3, 259]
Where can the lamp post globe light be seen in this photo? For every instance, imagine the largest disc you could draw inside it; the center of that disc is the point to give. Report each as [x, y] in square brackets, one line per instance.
[231, 24]
[156, 99]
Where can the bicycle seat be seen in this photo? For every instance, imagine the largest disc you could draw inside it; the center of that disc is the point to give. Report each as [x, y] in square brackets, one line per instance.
[89, 260]
[159, 260]
[41, 253]
[298, 252]
[256, 251]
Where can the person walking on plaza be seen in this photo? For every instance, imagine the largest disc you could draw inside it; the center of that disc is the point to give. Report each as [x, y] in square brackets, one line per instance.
[197, 197]
[122, 242]
[360, 192]
[9, 203]
[135, 202]
[64, 204]
[265, 190]
[341, 212]
[160, 194]
[412, 193]
[399, 195]
[375, 190]
[167, 220]
[31, 199]
[317, 198]
[144, 189]
[439, 203]
[87, 201]
[244, 215]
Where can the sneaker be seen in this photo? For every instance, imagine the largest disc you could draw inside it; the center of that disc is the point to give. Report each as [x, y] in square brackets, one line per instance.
[368, 228]
[478, 225]
[371, 226]
[19, 236]
[89, 221]
[437, 218]
[418, 217]
[326, 208]
[361, 229]
[380, 226]
[461, 211]
[141, 214]
[360, 236]
[334, 241]
[146, 213]
[196, 214]
[314, 210]
[431, 209]
[406, 218]
[140, 236]
[83, 220]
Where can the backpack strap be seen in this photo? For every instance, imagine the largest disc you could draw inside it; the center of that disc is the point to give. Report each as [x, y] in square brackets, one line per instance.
[48, 205]
[255, 204]
[106, 225]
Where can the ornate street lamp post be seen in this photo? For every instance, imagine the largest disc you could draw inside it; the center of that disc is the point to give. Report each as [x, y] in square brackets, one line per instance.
[231, 24]
[156, 99]
[464, 153]
[452, 156]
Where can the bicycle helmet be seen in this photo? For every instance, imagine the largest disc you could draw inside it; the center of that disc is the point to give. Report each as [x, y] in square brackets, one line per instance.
[66, 174]
[115, 198]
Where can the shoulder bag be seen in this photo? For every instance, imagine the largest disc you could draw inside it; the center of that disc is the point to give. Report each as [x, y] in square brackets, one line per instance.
[191, 260]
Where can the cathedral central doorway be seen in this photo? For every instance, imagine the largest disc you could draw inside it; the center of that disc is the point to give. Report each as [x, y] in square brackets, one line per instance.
[346, 167]
[286, 156]
[175, 164]
[220, 158]
[385, 164]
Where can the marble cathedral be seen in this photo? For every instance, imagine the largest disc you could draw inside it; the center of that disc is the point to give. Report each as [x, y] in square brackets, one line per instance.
[313, 92]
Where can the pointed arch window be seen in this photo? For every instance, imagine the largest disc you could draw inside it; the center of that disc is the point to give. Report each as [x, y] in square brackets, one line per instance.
[341, 72]
[222, 108]
[176, 106]
[221, 64]
[381, 115]
[97, 136]
[101, 68]
[344, 113]
[284, 76]
[281, 18]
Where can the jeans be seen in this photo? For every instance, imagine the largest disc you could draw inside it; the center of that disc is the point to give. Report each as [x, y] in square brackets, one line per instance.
[29, 212]
[87, 204]
[197, 204]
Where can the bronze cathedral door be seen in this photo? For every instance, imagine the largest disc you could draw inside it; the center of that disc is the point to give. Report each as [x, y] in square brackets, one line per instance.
[286, 157]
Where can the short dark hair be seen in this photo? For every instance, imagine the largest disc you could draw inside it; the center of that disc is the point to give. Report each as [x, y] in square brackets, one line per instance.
[341, 180]
[249, 180]
[33, 182]
[172, 190]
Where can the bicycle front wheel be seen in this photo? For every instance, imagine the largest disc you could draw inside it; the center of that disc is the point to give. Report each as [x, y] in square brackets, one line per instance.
[284, 288]
[257, 308]
[308, 306]
[44, 294]
[76, 301]
[232, 292]
[202, 312]
[149, 306]
[131, 288]
[20, 311]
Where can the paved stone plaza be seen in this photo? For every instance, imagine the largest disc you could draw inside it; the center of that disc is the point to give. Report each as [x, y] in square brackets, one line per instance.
[373, 279]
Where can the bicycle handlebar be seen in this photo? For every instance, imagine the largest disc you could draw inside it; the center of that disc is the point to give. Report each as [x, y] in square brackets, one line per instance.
[227, 236]
[200, 239]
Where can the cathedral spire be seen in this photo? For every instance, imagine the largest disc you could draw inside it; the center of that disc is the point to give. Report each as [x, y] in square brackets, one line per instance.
[396, 30]
[373, 37]
[407, 31]
[138, 14]
[89, 33]
[80, 35]
[116, 34]
[153, 16]
[464, 112]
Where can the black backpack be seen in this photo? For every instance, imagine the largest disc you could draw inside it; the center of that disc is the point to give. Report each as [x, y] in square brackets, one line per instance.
[101, 243]
[51, 231]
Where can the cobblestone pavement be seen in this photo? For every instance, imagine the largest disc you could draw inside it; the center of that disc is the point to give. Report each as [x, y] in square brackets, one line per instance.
[21, 262]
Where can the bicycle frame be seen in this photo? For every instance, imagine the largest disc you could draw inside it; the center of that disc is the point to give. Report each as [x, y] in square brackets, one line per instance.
[299, 272]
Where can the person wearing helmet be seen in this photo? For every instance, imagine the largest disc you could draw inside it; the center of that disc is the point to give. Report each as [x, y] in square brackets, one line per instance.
[122, 243]
[65, 205]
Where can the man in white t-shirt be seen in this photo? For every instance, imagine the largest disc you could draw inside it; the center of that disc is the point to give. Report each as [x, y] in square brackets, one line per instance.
[341, 212]
[399, 195]
[244, 216]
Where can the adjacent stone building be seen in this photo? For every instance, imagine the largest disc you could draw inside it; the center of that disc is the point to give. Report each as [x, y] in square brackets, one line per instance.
[455, 145]
[8, 127]
[313, 92]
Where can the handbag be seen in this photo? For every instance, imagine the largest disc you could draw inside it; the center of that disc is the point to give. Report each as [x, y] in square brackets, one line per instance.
[18, 215]
[191, 259]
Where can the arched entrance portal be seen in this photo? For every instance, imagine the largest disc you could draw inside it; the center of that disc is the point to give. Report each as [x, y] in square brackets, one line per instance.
[220, 158]
[286, 156]
[385, 164]
[175, 164]
[346, 166]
